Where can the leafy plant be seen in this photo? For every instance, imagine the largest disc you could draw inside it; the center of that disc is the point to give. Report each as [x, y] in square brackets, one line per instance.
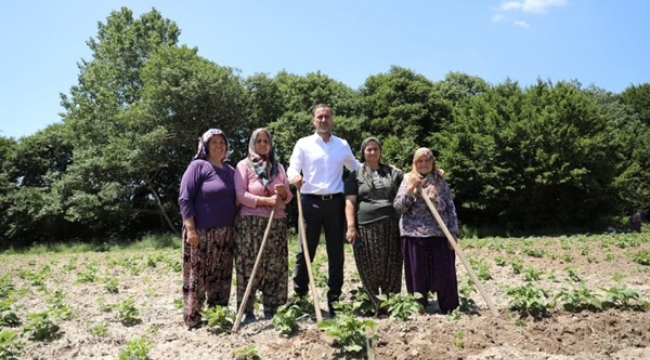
[285, 319]
[620, 297]
[40, 327]
[248, 352]
[178, 303]
[99, 330]
[465, 290]
[6, 286]
[8, 316]
[11, 347]
[89, 275]
[458, 339]
[111, 285]
[136, 349]
[361, 303]
[348, 332]
[59, 308]
[401, 306]
[455, 314]
[642, 257]
[219, 318]
[500, 260]
[70, 265]
[532, 274]
[127, 312]
[517, 265]
[481, 267]
[533, 251]
[579, 298]
[529, 300]
[573, 275]
[303, 303]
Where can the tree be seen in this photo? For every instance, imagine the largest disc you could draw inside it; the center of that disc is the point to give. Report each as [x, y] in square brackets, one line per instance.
[532, 159]
[95, 192]
[403, 109]
[631, 123]
[8, 185]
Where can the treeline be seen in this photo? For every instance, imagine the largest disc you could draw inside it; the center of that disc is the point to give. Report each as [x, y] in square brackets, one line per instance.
[550, 155]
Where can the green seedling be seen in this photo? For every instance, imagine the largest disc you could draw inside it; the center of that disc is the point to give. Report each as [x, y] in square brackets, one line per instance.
[401, 306]
[127, 312]
[348, 332]
[219, 319]
[136, 349]
[286, 318]
[11, 346]
[578, 298]
[529, 300]
[39, 327]
[248, 352]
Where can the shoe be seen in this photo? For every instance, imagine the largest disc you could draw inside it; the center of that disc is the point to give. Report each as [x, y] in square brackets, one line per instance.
[269, 313]
[331, 310]
[249, 318]
[194, 326]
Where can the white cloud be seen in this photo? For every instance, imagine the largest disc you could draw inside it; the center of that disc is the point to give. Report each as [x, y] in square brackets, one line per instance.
[497, 18]
[522, 24]
[511, 5]
[532, 6]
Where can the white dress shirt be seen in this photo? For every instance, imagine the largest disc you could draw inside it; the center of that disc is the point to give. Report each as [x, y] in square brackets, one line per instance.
[321, 164]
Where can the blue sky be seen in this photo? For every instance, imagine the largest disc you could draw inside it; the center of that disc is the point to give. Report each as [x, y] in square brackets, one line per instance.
[602, 43]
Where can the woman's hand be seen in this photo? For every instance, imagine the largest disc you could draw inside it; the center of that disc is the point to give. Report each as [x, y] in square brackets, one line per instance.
[281, 191]
[412, 183]
[192, 238]
[351, 234]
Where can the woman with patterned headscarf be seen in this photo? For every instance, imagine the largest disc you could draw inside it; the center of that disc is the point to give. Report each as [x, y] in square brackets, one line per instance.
[373, 222]
[208, 208]
[429, 260]
[261, 186]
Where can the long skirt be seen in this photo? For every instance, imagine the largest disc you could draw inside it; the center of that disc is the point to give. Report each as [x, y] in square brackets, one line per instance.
[207, 271]
[272, 275]
[379, 258]
[430, 266]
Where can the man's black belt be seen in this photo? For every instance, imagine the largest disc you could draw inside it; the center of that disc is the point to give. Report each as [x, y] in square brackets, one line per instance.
[323, 197]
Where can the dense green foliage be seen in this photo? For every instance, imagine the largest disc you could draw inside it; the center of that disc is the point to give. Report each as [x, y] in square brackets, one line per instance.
[550, 155]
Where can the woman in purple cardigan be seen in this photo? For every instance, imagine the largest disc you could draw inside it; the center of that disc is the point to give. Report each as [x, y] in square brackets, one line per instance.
[429, 261]
[261, 185]
[207, 202]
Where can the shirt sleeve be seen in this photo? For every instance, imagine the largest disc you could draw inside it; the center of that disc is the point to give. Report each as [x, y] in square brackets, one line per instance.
[190, 182]
[241, 186]
[351, 184]
[285, 181]
[350, 162]
[295, 161]
[403, 200]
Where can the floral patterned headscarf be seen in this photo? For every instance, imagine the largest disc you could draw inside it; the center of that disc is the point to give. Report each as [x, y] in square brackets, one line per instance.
[202, 152]
[264, 166]
[431, 179]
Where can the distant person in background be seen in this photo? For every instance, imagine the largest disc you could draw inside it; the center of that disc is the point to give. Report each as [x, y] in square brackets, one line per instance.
[261, 185]
[636, 219]
[429, 260]
[373, 223]
[208, 208]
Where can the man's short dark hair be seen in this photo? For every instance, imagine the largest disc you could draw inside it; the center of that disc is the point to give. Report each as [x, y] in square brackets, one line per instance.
[313, 111]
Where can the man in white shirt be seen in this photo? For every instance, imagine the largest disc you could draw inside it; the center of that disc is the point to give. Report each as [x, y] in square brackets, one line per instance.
[316, 167]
